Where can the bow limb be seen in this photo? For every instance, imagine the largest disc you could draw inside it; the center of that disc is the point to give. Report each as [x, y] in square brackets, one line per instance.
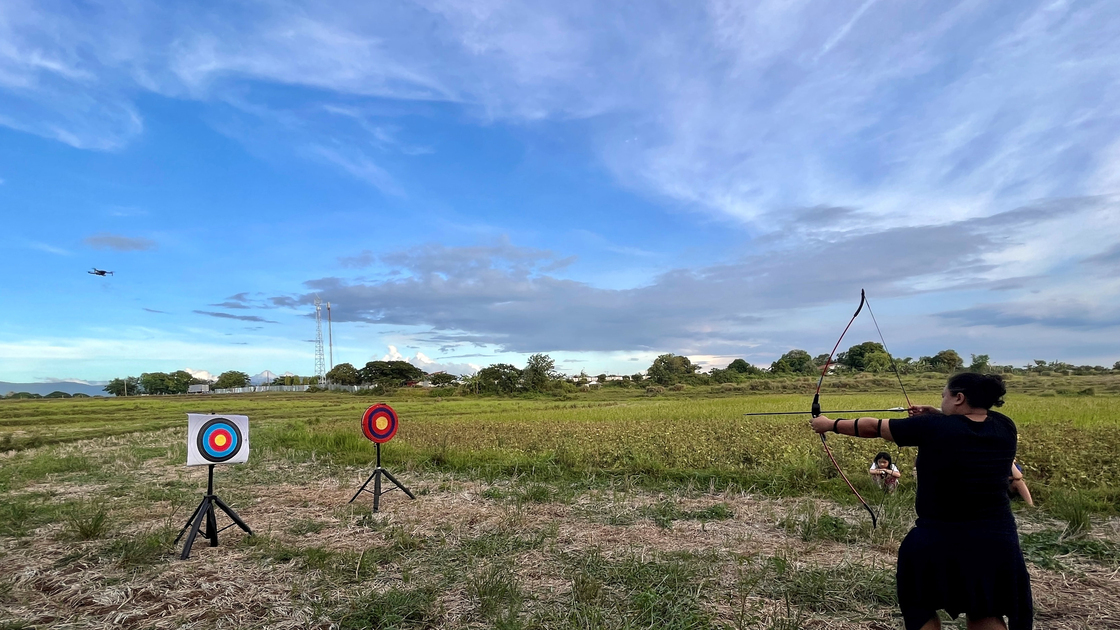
[874, 520]
[816, 410]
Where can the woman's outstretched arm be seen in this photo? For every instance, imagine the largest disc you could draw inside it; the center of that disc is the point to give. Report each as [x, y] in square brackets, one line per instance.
[868, 427]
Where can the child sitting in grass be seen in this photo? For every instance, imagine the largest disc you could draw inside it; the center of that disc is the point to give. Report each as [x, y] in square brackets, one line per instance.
[1018, 487]
[884, 473]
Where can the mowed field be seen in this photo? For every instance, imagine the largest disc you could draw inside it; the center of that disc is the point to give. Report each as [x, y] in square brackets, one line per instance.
[602, 510]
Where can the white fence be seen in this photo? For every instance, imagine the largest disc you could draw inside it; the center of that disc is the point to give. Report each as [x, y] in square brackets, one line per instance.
[261, 388]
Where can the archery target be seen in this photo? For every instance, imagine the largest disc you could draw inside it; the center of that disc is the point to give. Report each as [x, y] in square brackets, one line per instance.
[379, 423]
[217, 439]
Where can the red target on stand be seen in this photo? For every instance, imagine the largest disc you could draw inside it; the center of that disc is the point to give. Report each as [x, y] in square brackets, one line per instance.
[379, 423]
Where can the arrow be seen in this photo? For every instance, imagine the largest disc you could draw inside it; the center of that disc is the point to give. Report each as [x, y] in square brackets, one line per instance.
[802, 413]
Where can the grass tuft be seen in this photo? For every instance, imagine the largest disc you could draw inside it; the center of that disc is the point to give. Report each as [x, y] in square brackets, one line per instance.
[394, 608]
[497, 594]
[86, 522]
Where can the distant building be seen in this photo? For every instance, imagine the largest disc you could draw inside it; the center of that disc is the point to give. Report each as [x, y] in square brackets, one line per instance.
[199, 389]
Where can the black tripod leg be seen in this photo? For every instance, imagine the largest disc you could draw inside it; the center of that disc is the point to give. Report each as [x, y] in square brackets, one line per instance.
[188, 523]
[374, 474]
[200, 514]
[398, 484]
[212, 524]
[232, 515]
[376, 489]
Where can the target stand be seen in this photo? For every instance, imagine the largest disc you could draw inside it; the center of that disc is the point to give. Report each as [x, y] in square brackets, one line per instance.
[379, 424]
[205, 511]
[213, 440]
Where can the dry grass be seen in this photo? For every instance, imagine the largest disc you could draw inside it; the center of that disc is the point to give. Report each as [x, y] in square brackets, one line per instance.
[467, 553]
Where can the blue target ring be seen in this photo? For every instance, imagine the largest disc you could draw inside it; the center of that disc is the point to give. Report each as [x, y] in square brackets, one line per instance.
[379, 423]
[219, 440]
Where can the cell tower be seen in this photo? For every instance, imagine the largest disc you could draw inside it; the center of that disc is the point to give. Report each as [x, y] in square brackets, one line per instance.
[320, 361]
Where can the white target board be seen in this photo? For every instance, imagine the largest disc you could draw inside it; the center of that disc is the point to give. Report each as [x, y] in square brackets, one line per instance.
[217, 439]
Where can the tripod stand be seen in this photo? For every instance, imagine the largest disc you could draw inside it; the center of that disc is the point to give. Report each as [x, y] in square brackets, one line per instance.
[376, 479]
[205, 510]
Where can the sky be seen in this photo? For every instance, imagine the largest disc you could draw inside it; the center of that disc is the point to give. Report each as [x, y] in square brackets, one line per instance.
[468, 182]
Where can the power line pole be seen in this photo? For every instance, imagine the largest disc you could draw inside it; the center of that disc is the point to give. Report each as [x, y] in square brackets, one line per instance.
[330, 335]
[320, 369]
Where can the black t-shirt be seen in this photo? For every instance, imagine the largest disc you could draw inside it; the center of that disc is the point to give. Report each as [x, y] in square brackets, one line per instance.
[962, 465]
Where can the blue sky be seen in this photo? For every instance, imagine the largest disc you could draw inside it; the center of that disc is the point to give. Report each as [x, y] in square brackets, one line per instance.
[469, 182]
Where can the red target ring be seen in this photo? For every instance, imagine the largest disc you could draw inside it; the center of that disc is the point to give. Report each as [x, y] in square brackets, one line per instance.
[379, 423]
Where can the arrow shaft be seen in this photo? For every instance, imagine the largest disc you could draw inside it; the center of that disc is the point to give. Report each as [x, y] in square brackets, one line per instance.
[802, 413]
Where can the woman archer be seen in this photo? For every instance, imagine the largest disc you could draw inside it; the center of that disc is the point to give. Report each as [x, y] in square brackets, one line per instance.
[963, 555]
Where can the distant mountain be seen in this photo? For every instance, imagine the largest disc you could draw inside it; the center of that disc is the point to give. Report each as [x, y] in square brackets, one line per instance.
[264, 377]
[43, 389]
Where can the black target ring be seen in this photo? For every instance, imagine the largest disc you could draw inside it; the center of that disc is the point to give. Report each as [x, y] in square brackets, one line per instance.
[219, 440]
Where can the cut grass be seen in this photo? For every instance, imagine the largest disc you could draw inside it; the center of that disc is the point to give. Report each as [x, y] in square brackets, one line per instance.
[86, 521]
[846, 587]
[666, 511]
[395, 608]
[1045, 548]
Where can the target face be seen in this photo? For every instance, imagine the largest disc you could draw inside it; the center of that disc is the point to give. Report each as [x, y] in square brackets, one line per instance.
[219, 440]
[215, 439]
[379, 423]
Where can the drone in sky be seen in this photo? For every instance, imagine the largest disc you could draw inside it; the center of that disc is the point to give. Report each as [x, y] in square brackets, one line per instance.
[99, 272]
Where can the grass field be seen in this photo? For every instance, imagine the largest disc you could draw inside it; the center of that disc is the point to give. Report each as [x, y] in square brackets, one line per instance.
[608, 509]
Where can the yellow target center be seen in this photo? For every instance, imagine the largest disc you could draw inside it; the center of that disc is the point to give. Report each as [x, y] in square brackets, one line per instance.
[220, 440]
[381, 423]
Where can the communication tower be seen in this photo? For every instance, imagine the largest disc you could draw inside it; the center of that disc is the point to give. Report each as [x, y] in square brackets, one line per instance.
[320, 361]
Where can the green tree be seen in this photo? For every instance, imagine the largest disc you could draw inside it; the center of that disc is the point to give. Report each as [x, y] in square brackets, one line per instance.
[794, 362]
[344, 374]
[946, 361]
[742, 367]
[539, 373]
[877, 362]
[391, 373]
[980, 363]
[180, 381]
[1116, 366]
[500, 378]
[442, 379]
[57, 394]
[128, 386]
[155, 383]
[856, 358]
[670, 369]
[231, 379]
[637, 378]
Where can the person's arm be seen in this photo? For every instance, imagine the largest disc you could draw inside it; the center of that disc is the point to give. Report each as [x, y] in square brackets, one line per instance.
[894, 471]
[922, 410]
[1021, 487]
[868, 427]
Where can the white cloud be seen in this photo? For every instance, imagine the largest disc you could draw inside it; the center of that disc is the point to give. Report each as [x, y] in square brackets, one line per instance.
[50, 249]
[113, 355]
[736, 108]
[200, 374]
[430, 366]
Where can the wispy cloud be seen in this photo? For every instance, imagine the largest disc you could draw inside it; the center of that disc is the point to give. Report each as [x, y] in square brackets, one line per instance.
[359, 261]
[50, 249]
[152, 310]
[244, 318]
[119, 243]
[360, 166]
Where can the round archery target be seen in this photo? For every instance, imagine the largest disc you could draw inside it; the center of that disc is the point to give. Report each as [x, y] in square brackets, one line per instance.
[219, 440]
[379, 423]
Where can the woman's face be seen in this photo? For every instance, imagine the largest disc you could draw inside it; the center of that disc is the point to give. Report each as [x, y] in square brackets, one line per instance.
[882, 463]
[950, 402]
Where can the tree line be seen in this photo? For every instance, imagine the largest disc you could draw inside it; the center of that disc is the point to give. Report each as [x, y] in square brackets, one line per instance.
[178, 382]
[540, 375]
